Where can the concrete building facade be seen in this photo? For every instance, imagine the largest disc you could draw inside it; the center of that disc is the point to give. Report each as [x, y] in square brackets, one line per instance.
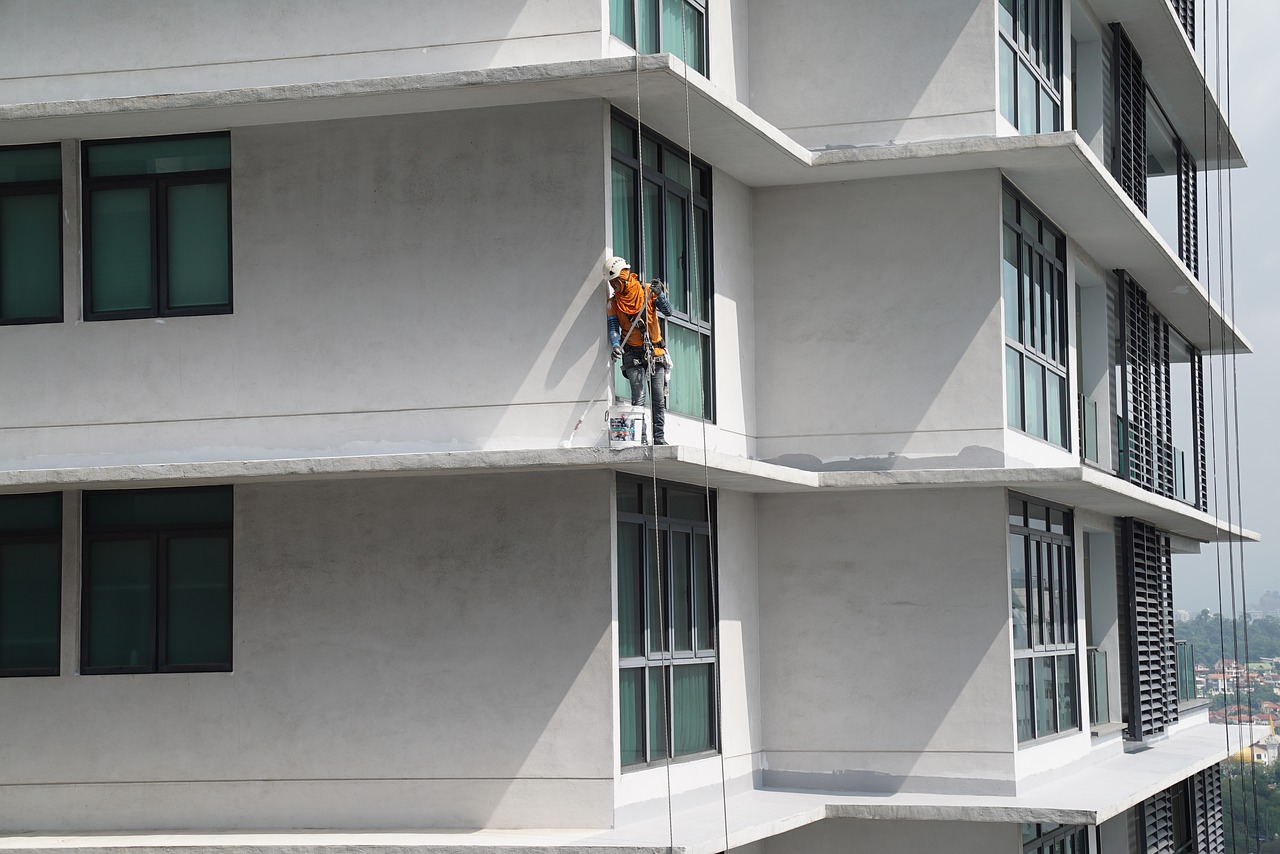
[311, 533]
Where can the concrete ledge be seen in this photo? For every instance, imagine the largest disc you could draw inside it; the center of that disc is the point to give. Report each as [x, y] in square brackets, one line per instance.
[1080, 486]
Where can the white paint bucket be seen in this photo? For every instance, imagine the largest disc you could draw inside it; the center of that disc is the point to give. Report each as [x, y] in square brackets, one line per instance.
[628, 426]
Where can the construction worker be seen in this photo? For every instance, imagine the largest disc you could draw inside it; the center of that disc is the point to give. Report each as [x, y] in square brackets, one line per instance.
[635, 337]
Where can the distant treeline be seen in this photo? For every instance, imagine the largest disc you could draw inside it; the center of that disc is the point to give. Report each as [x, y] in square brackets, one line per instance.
[1207, 634]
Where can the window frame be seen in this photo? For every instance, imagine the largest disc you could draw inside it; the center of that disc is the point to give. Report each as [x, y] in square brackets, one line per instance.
[33, 188]
[1021, 43]
[49, 536]
[704, 32]
[158, 186]
[158, 535]
[666, 659]
[1035, 301]
[1052, 612]
[697, 206]
[1046, 837]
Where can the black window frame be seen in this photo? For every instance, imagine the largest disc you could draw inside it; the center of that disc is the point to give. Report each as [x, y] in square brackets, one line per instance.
[50, 536]
[1045, 344]
[1052, 613]
[695, 204]
[704, 32]
[1050, 838]
[158, 186]
[1029, 53]
[159, 536]
[666, 659]
[33, 188]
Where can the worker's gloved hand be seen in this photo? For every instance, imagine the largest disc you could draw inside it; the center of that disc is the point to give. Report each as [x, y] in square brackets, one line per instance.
[616, 352]
[659, 287]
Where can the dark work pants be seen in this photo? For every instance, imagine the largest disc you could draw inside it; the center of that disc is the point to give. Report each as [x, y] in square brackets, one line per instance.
[658, 390]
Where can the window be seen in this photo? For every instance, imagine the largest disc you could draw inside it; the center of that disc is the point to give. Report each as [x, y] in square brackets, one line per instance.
[676, 240]
[1042, 580]
[30, 584]
[667, 630]
[677, 27]
[157, 227]
[1030, 47]
[1035, 322]
[31, 234]
[1049, 838]
[157, 581]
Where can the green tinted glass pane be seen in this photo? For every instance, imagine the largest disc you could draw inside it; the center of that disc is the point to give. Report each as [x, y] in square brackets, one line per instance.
[1018, 589]
[1055, 400]
[693, 701]
[1006, 16]
[622, 138]
[199, 268]
[700, 303]
[622, 21]
[691, 372]
[657, 592]
[30, 256]
[628, 497]
[29, 606]
[41, 512]
[648, 14]
[672, 27]
[1010, 277]
[1033, 390]
[683, 504]
[694, 55]
[630, 590]
[19, 165]
[1026, 99]
[652, 233]
[657, 712]
[1066, 692]
[1022, 691]
[121, 251]
[649, 151]
[1046, 704]
[1017, 512]
[121, 604]
[1008, 66]
[704, 613]
[681, 590]
[158, 156]
[149, 507]
[1013, 387]
[199, 602]
[677, 245]
[676, 167]
[631, 714]
[624, 211]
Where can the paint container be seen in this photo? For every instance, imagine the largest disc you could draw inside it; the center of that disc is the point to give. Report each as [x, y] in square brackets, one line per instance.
[628, 426]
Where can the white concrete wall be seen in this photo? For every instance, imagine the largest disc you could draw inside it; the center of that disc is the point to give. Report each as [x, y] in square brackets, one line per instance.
[407, 653]
[832, 72]
[734, 315]
[878, 317]
[727, 47]
[427, 282]
[121, 48]
[874, 836]
[885, 641]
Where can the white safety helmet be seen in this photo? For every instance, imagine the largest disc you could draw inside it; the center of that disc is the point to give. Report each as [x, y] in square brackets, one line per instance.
[614, 266]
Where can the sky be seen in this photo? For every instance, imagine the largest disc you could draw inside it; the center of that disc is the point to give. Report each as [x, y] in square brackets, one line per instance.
[1254, 116]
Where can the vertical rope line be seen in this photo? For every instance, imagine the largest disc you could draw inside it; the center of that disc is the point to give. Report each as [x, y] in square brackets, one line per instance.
[1235, 393]
[663, 611]
[703, 373]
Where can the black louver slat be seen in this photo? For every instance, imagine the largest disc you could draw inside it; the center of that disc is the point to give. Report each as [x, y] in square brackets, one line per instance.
[1206, 805]
[1129, 163]
[1149, 654]
[1197, 404]
[1186, 12]
[1188, 211]
[1157, 821]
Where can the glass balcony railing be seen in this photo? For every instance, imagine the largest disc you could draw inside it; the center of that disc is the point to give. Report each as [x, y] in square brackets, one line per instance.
[1099, 700]
[1122, 449]
[1180, 474]
[1187, 689]
[1089, 428]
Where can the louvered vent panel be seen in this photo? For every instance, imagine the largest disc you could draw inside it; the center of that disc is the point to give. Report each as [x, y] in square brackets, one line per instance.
[1188, 211]
[1129, 164]
[1157, 813]
[1197, 389]
[1148, 666]
[1162, 407]
[1139, 392]
[1186, 12]
[1206, 792]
